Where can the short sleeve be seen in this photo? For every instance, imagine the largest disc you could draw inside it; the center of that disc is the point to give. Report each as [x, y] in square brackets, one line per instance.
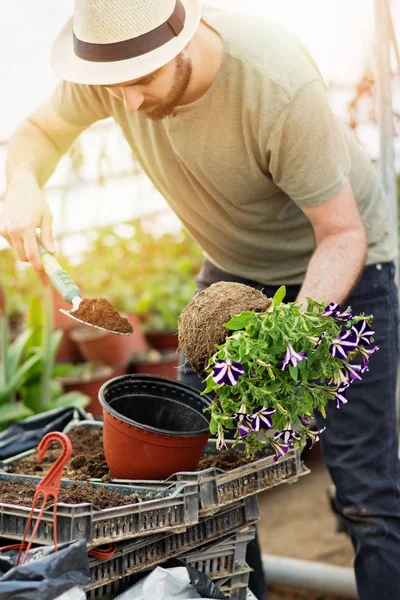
[78, 104]
[308, 155]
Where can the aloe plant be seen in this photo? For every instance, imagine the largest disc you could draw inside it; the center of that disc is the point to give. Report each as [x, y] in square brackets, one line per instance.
[16, 365]
[28, 373]
[42, 391]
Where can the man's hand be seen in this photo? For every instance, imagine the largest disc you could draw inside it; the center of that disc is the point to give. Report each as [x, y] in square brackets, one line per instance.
[341, 249]
[25, 209]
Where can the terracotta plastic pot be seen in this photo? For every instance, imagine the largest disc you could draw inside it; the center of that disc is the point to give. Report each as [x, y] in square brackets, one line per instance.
[153, 426]
[99, 346]
[164, 364]
[90, 385]
[163, 341]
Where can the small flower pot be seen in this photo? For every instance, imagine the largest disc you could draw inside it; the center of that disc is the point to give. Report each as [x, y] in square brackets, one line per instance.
[90, 385]
[164, 364]
[163, 342]
[68, 350]
[111, 349]
[153, 426]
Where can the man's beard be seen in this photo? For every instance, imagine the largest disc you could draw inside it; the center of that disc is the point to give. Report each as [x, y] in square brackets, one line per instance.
[166, 108]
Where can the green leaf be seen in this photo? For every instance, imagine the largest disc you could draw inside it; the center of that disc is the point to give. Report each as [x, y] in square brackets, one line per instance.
[35, 321]
[13, 411]
[213, 427]
[210, 384]
[17, 348]
[71, 399]
[294, 371]
[4, 358]
[61, 369]
[239, 321]
[279, 295]
[19, 377]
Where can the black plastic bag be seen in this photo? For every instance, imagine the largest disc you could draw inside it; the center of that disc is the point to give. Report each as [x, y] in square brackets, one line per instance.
[46, 575]
[201, 582]
[26, 434]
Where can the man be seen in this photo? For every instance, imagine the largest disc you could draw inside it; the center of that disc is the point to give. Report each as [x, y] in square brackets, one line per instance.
[228, 116]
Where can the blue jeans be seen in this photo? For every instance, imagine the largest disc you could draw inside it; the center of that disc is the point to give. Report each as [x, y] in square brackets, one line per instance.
[360, 443]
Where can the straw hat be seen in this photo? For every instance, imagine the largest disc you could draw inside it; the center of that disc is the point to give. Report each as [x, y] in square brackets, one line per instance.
[113, 41]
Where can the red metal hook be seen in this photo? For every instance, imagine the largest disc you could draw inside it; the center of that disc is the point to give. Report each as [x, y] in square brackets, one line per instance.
[49, 486]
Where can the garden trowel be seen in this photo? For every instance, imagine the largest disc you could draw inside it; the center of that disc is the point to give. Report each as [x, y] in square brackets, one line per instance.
[65, 286]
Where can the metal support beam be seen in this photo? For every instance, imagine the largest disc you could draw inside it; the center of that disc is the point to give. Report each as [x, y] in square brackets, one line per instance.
[383, 38]
[307, 575]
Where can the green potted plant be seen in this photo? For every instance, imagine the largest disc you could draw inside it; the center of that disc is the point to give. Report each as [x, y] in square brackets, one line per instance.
[28, 373]
[19, 283]
[15, 367]
[273, 368]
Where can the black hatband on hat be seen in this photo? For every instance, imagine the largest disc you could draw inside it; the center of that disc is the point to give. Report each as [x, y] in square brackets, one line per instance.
[134, 47]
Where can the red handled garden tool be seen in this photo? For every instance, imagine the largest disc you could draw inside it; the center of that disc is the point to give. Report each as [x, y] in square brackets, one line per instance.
[66, 287]
[48, 487]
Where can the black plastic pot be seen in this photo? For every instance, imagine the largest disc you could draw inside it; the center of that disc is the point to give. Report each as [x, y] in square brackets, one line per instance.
[153, 426]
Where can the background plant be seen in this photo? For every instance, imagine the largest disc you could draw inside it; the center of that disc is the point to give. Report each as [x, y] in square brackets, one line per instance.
[280, 366]
[28, 373]
[141, 272]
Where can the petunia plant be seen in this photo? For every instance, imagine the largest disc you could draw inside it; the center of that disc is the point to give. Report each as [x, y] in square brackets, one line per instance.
[277, 367]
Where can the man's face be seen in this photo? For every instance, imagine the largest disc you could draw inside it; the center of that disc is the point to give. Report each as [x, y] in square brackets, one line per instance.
[158, 94]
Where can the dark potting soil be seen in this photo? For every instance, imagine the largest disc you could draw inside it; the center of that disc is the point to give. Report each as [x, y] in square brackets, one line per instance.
[101, 313]
[225, 460]
[88, 460]
[21, 494]
[229, 459]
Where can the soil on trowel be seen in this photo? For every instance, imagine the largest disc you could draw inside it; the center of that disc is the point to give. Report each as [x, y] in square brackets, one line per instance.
[87, 461]
[21, 494]
[101, 313]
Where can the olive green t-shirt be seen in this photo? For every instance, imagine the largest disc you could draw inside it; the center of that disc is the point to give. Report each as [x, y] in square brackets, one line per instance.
[238, 165]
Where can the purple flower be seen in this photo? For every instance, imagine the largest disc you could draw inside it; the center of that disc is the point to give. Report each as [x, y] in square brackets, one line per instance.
[280, 449]
[354, 371]
[366, 353]
[292, 357]
[227, 372]
[305, 420]
[346, 342]
[339, 395]
[333, 310]
[261, 418]
[339, 378]
[245, 428]
[244, 422]
[314, 436]
[318, 340]
[363, 334]
[286, 435]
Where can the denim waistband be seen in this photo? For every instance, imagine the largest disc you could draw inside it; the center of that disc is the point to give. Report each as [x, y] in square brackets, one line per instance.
[374, 278]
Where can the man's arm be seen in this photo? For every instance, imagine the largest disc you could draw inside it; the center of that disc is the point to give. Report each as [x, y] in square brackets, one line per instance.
[341, 249]
[33, 154]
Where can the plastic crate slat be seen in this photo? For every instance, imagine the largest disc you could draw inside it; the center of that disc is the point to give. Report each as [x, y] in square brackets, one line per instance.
[132, 557]
[177, 508]
[217, 488]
